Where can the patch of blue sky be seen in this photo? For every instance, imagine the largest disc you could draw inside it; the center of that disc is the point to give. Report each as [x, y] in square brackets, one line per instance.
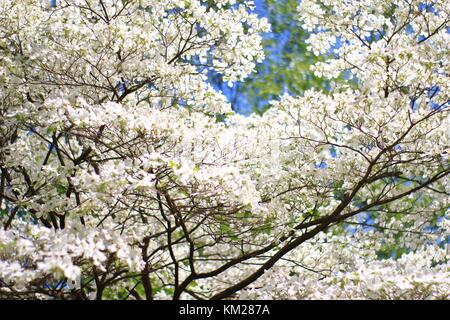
[350, 229]
[421, 38]
[427, 7]
[375, 35]
[409, 29]
[367, 221]
[333, 152]
[238, 99]
[61, 284]
[321, 165]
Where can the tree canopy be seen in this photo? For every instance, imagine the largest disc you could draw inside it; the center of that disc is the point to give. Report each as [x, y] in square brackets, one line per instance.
[126, 174]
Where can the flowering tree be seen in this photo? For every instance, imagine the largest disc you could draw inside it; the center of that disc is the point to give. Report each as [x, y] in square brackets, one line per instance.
[124, 174]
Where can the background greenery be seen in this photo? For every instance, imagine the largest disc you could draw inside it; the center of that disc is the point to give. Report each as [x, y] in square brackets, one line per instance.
[287, 63]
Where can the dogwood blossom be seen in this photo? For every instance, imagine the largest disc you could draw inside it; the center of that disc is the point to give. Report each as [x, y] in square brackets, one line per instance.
[126, 175]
